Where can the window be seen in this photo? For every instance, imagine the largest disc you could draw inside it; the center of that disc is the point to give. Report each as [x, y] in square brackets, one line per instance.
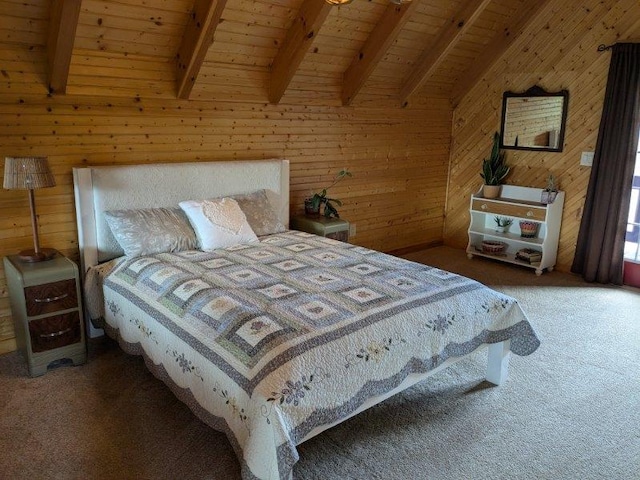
[632, 238]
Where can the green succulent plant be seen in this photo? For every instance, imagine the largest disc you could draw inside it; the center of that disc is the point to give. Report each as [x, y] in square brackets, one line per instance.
[503, 221]
[494, 168]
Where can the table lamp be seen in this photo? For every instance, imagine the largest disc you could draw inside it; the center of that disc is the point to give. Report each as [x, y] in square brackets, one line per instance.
[30, 173]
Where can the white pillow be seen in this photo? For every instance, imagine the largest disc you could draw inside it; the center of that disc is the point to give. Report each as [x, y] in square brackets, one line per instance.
[218, 223]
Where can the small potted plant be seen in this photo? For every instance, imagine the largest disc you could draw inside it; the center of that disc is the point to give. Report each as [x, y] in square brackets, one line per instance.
[494, 170]
[550, 193]
[312, 204]
[503, 224]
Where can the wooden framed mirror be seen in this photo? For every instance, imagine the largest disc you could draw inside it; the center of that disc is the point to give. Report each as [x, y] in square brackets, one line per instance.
[534, 120]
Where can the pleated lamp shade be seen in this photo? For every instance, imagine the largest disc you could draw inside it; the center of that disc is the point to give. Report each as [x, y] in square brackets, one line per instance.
[30, 173]
[27, 173]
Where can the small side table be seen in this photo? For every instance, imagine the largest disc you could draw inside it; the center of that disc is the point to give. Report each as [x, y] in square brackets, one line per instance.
[47, 311]
[335, 228]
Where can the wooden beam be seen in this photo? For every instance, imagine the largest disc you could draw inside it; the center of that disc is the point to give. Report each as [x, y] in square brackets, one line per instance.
[496, 48]
[299, 38]
[197, 38]
[63, 21]
[383, 35]
[446, 40]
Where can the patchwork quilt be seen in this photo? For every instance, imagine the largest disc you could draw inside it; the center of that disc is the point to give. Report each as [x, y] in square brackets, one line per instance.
[269, 341]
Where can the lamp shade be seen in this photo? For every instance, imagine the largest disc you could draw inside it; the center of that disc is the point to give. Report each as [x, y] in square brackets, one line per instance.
[27, 173]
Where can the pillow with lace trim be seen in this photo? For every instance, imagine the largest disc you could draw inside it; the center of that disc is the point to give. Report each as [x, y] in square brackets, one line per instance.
[218, 223]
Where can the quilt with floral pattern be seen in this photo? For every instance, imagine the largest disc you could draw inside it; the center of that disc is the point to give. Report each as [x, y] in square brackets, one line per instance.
[269, 341]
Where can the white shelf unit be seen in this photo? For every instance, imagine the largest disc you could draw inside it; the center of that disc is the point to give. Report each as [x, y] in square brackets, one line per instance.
[518, 203]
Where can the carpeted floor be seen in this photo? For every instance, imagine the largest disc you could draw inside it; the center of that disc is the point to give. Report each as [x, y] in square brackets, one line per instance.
[569, 411]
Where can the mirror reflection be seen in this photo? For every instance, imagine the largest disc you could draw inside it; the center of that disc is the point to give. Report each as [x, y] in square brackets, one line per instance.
[534, 120]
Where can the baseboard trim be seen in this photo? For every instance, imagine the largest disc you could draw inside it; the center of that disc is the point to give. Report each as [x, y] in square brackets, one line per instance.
[415, 248]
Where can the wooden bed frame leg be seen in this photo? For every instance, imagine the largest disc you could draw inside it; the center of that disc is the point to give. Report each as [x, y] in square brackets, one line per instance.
[498, 362]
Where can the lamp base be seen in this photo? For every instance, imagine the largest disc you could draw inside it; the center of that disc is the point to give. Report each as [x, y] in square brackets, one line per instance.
[30, 256]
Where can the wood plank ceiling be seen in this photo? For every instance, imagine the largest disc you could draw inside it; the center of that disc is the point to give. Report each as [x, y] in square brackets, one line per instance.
[278, 51]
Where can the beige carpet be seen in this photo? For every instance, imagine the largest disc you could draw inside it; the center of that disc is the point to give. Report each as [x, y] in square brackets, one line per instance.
[569, 411]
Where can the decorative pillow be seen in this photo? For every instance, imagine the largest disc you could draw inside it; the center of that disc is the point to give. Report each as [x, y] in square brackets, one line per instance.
[219, 223]
[259, 212]
[151, 230]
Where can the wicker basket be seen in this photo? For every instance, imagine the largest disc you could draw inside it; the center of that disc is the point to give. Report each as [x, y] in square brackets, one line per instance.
[492, 247]
[528, 229]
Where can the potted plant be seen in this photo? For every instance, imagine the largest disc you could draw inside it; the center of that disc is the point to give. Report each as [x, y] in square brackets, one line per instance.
[494, 170]
[312, 204]
[550, 193]
[503, 224]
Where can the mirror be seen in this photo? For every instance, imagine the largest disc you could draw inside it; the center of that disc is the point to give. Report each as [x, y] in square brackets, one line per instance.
[534, 120]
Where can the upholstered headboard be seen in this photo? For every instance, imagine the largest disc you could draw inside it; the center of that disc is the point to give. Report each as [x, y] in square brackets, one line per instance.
[99, 189]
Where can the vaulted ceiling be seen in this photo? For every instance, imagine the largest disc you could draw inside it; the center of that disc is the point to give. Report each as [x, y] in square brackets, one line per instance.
[278, 51]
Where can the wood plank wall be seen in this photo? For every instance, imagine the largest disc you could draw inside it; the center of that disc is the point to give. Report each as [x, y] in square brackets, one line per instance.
[558, 51]
[398, 157]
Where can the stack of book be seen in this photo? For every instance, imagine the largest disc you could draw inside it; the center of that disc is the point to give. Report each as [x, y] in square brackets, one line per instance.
[529, 255]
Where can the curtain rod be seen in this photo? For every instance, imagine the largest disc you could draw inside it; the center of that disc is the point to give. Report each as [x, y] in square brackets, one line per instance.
[602, 47]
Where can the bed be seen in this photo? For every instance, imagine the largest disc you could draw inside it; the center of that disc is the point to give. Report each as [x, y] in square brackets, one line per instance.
[275, 340]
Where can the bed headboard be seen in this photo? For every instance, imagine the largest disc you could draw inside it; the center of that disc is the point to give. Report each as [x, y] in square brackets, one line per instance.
[102, 188]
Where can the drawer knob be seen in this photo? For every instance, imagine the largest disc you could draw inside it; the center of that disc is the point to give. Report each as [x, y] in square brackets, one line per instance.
[529, 213]
[51, 299]
[483, 206]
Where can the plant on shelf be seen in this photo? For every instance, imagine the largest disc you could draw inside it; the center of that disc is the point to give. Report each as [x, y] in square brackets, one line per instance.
[503, 224]
[549, 194]
[312, 204]
[494, 169]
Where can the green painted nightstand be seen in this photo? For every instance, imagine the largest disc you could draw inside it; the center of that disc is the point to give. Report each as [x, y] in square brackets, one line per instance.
[335, 228]
[47, 311]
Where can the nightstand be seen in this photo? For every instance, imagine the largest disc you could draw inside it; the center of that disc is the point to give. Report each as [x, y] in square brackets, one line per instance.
[335, 228]
[47, 311]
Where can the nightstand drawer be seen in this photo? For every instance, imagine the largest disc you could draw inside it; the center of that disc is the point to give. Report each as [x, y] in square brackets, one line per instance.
[51, 297]
[55, 331]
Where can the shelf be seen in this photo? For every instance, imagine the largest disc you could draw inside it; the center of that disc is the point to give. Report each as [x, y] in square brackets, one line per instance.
[507, 256]
[518, 203]
[487, 232]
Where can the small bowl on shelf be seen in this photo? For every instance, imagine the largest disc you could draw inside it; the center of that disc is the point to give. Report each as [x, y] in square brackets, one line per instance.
[492, 247]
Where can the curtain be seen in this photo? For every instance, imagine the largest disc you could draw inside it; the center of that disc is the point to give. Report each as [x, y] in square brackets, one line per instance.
[600, 249]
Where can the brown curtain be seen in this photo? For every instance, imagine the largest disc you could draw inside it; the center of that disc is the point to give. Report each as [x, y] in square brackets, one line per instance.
[600, 248]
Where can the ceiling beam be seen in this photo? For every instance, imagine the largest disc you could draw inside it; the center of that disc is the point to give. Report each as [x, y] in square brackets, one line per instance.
[299, 38]
[496, 48]
[382, 36]
[197, 38]
[444, 43]
[63, 22]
